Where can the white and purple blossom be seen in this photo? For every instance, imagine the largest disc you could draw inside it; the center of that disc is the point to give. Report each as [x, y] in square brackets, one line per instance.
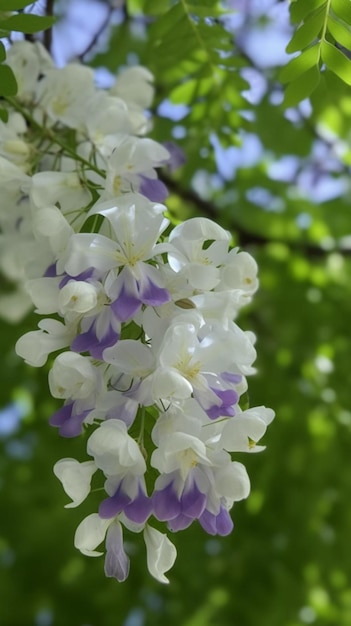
[150, 360]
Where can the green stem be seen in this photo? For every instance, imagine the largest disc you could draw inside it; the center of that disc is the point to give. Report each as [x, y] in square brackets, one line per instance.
[53, 137]
[142, 426]
[327, 9]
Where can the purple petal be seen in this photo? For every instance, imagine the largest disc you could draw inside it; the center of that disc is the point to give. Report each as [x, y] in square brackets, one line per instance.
[177, 157]
[69, 423]
[62, 415]
[125, 412]
[88, 342]
[114, 505]
[82, 276]
[228, 397]
[228, 377]
[166, 504]
[127, 303]
[116, 560]
[140, 509]
[153, 295]
[221, 524]
[224, 522]
[208, 522]
[51, 271]
[154, 189]
[180, 523]
[193, 502]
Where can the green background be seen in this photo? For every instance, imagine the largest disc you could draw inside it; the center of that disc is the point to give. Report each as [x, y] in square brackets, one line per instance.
[288, 561]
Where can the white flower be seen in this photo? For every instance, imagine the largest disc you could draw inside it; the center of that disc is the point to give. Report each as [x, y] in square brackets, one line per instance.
[62, 93]
[239, 272]
[114, 451]
[78, 296]
[35, 346]
[179, 451]
[51, 227]
[137, 225]
[160, 553]
[27, 60]
[91, 532]
[73, 376]
[241, 432]
[13, 145]
[191, 360]
[15, 185]
[191, 257]
[135, 85]
[48, 188]
[75, 478]
[104, 115]
[132, 160]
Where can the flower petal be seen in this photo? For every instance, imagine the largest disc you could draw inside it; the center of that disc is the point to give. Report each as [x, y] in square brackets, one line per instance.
[161, 553]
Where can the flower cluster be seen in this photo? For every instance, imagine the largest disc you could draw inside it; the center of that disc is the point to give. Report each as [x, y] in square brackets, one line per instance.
[151, 363]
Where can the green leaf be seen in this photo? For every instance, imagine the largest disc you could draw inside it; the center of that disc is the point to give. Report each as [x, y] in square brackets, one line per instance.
[297, 66]
[26, 23]
[336, 61]
[302, 87]
[2, 52]
[154, 7]
[8, 84]
[244, 401]
[307, 33]
[342, 8]
[188, 91]
[204, 11]
[207, 4]
[299, 9]
[340, 32]
[15, 5]
[4, 115]
[167, 22]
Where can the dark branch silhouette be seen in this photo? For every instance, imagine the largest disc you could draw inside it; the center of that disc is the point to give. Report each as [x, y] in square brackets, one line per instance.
[244, 237]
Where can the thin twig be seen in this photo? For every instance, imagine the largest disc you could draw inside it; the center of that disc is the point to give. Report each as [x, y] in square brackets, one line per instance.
[49, 11]
[98, 33]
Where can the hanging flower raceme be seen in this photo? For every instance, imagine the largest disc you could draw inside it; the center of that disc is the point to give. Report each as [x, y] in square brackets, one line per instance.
[139, 316]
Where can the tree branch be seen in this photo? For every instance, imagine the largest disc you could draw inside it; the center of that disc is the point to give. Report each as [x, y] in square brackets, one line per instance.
[47, 38]
[98, 33]
[244, 237]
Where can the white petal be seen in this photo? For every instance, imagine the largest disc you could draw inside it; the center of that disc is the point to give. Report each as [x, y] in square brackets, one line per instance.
[160, 552]
[44, 294]
[232, 481]
[114, 450]
[200, 228]
[201, 276]
[75, 478]
[169, 383]
[90, 250]
[77, 296]
[131, 357]
[90, 533]
[34, 347]
[72, 376]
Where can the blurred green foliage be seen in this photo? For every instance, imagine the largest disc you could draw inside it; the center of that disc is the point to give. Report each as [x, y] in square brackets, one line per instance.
[288, 561]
